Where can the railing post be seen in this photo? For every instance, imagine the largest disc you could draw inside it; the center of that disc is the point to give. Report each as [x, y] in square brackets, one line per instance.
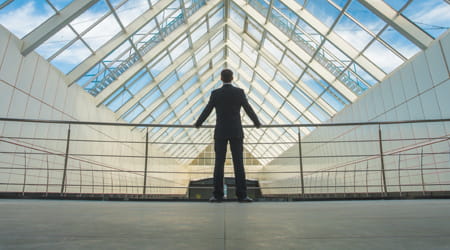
[48, 174]
[63, 185]
[383, 175]
[399, 176]
[301, 160]
[146, 162]
[24, 173]
[367, 178]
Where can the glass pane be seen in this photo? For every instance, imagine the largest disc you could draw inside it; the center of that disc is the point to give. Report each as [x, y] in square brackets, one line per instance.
[383, 57]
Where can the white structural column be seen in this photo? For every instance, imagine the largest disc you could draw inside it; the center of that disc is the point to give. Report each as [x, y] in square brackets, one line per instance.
[116, 41]
[335, 39]
[399, 22]
[284, 39]
[182, 30]
[54, 24]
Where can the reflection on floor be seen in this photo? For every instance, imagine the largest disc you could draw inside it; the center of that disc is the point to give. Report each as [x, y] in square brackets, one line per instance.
[50, 224]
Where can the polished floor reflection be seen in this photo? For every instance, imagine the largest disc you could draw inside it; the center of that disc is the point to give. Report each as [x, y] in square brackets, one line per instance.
[42, 224]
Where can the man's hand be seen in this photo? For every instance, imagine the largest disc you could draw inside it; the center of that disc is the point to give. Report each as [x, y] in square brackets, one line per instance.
[197, 125]
[258, 125]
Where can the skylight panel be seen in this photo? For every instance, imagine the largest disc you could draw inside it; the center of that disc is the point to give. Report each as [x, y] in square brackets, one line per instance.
[177, 49]
[383, 57]
[319, 113]
[131, 10]
[352, 33]
[116, 101]
[216, 18]
[366, 17]
[301, 97]
[102, 32]
[175, 96]
[168, 82]
[433, 16]
[150, 97]
[71, 57]
[217, 57]
[57, 42]
[199, 31]
[399, 42]
[185, 67]
[90, 17]
[131, 114]
[250, 52]
[291, 65]
[21, 17]
[202, 52]
[246, 69]
[158, 66]
[323, 10]
[266, 66]
[189, 83]
[217, 39]
[236, 15]
[273, 49]
[286, 85]
[139, 81]
[254, 30]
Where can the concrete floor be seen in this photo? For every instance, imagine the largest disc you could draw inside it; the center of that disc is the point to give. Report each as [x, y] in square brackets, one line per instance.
[48, 224]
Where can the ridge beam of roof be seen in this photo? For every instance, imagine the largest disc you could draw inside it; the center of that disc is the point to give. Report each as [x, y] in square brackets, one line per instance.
[159, 48]
[172, 89]
[305, 57]
[55, 23]
[181, 59]
[280, 67]
[335, 39]
[399, 22]
[116, 41]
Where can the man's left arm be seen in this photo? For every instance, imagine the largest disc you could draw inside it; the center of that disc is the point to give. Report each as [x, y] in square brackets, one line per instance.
[250, 112]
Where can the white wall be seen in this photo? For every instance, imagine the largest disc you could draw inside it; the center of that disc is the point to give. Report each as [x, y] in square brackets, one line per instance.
[420, 89]
[32, 88]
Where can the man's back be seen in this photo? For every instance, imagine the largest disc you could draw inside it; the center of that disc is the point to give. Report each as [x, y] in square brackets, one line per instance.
[228, 101]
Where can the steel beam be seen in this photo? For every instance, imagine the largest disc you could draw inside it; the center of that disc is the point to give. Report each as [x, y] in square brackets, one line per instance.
[161, 47]
[55, 23]
[116, 41]
[408, 29]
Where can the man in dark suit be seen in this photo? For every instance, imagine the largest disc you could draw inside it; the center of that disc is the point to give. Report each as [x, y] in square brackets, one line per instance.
[228, 101]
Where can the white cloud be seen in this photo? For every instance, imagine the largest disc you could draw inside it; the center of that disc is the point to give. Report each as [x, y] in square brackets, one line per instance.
[25, 18]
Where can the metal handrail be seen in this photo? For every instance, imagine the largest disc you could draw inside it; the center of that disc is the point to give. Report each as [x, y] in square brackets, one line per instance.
[10, 119]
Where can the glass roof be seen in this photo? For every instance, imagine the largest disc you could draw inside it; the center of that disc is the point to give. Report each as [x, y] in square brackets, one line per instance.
[298, 61]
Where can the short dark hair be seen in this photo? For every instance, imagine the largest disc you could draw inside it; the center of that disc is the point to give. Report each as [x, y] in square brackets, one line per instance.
[226, 75]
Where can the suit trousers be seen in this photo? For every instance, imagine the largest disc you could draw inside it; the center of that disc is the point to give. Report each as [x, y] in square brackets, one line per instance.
[220, 148]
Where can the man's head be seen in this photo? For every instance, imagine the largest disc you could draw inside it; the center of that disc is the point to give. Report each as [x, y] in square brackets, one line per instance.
[226, 76]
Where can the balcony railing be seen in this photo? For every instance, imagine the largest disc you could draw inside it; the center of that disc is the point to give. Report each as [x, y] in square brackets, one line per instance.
[52, 158]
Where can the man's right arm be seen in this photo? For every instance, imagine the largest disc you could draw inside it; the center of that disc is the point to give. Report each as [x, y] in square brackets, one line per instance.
[208, 109]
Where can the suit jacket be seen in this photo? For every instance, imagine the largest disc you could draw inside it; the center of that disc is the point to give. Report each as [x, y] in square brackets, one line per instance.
[228, 101]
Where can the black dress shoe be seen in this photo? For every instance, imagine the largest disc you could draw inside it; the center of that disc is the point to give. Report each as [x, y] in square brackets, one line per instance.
[214, 199]
[246, 199]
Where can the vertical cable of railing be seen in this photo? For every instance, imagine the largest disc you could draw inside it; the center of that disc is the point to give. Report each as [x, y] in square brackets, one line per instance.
[63, 184]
